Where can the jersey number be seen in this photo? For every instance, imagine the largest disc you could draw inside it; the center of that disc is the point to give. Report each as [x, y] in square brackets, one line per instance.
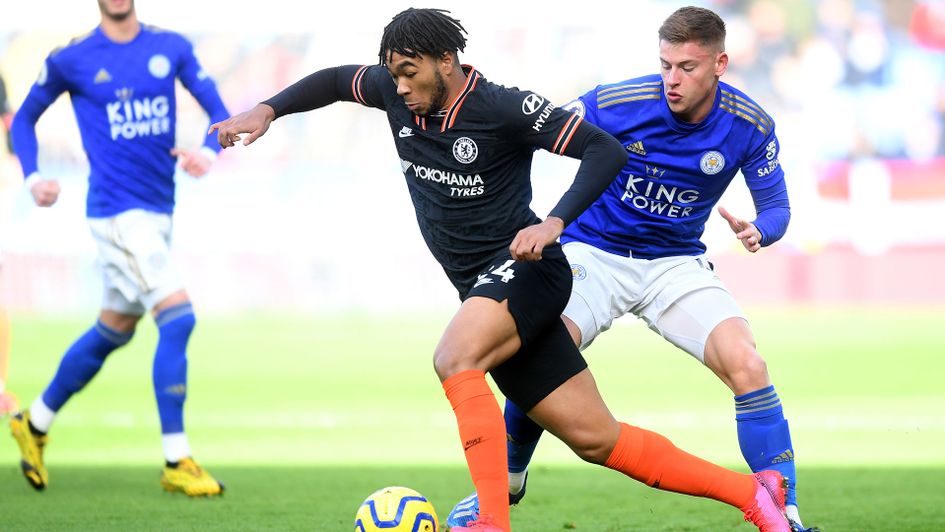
[505, 272]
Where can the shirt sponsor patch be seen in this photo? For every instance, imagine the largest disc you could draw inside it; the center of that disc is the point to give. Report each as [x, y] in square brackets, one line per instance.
[532, 103]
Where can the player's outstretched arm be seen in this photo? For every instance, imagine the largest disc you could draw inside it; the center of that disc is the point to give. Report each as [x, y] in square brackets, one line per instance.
[253, 123]
[314, 91]
[745, 231]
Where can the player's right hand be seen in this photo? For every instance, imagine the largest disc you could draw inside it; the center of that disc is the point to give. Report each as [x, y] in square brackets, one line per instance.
[45, 193]
[255, 122]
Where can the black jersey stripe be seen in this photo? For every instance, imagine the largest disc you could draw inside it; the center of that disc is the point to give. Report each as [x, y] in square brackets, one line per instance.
[450, 117]
[564, 137]
[356, 85]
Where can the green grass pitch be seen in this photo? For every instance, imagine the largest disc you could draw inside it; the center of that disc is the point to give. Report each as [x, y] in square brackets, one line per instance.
[304, 416]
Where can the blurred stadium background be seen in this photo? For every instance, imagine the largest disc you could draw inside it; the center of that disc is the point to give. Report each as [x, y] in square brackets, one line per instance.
[315, 216]
[309, 236]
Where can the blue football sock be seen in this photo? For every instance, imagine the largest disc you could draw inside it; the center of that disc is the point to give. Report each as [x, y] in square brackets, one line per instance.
[170, 365]
[523, 435]
[764, 436]
[81, 362]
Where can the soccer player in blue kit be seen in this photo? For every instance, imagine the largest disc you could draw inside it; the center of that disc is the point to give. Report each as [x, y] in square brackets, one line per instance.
[121, 79]
[466, 146]
[637, 249]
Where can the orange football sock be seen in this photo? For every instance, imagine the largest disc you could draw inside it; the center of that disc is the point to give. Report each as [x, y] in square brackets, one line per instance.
[482, 431]
[652, 459]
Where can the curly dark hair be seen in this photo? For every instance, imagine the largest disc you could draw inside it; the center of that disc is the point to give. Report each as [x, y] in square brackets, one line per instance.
[422, 31]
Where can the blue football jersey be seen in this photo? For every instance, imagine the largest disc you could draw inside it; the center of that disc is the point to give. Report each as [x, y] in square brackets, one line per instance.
[676, 171]
[124, 103]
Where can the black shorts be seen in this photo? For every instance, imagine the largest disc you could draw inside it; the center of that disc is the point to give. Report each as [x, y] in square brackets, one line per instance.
[537, 292]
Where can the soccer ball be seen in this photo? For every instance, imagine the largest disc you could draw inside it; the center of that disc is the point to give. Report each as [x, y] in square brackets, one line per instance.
[396, 509]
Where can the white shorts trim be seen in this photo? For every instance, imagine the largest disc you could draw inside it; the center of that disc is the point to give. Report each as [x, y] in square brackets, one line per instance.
[134, 251]
[607, 286]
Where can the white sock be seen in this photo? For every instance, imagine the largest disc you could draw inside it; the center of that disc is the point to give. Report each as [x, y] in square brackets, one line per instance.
[41, 416]
[793, 515]
[175, 446]
[516, 481]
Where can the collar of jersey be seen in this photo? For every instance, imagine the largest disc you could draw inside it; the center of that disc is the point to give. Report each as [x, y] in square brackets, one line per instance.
[685, 127]
[100, 34]
[449, 114]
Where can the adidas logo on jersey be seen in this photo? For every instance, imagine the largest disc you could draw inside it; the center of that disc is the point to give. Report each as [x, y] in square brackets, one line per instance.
[786, 456]
[637, 148]
[102, 76]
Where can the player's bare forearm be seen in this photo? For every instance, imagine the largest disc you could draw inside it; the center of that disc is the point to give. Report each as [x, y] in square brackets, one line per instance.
[254, 123]
[531, 241]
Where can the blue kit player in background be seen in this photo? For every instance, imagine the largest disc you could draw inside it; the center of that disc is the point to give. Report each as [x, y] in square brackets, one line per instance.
[121, 79]
[637, 249]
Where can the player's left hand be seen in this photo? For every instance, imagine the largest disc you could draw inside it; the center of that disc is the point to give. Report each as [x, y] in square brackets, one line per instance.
[529, 242]
[8, 403]
[744, 230]
[193, 162]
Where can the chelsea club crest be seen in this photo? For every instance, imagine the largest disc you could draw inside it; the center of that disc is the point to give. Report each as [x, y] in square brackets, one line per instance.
[465, 150]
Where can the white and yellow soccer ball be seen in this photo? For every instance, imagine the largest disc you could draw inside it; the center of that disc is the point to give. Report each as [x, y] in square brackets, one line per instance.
[396, 509]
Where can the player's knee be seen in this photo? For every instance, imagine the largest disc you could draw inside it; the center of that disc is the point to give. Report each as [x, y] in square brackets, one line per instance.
[176, 322]
[448, 362]
[453, 356]
[750, 372]
[592, 446]
[119, 323]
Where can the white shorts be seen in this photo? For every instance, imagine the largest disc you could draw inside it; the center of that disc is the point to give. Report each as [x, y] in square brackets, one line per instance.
[680, 298]
[134, 249]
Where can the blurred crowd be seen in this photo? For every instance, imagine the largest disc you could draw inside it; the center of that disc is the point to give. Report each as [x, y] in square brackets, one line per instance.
[861, 78]
[856, 87]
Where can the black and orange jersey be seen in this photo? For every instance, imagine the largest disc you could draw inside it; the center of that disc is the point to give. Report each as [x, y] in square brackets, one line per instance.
[468, 167]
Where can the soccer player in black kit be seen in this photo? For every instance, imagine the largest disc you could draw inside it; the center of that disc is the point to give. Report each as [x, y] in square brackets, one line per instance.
[466, 148]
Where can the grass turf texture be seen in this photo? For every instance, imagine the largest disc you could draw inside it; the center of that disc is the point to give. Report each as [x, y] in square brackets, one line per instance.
[303, 417]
